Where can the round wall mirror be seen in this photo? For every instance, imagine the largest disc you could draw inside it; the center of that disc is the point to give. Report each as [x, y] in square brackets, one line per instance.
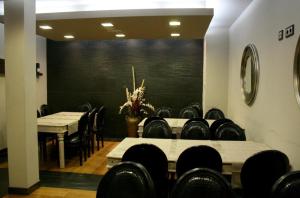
[249, 73]
[297, 72]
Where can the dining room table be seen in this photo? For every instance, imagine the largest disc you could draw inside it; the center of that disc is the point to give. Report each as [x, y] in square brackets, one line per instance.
[61, 124]
[176, 125]
[233, 153]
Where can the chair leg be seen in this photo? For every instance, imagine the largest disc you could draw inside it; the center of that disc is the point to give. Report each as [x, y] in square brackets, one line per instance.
[84, 151]
[102, 140]
[93, 143]
[88, 147]
[80, 156]
[97, 139]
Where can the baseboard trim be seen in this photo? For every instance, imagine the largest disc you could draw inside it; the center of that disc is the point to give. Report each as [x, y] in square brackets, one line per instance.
[24, 191]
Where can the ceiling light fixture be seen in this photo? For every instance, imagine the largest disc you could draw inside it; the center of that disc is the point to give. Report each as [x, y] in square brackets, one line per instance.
[174, 23]
[45, 27]
[107, 24]
[69, 36]
[175, 34]
[120, 35]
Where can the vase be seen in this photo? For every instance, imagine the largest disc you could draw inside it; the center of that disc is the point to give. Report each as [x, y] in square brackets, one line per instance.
[132, 126]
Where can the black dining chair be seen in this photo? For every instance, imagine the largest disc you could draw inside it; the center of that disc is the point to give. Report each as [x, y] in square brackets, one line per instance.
[196, 119]
[230, 131]
[99, 126]
[124, 180]
[198, 157]
[214, 114]
[260, 172]
[149, 119]
[195, 130]
[214, 126]
[90, 135]
[79, 140]
[157, 129]
[155, 162]
[287, 186]
[164, 112]
[44, 110]
[198, 107]
[202, 183]
[85, 107]
[188, 112]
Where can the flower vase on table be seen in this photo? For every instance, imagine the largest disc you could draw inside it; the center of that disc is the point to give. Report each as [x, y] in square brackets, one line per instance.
[135, 107]
[132, 126]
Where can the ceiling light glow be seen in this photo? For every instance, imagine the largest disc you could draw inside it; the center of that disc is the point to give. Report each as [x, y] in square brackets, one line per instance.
[45, 27]
[174, 23]
[107, 24]
[175, 34]
[120, 35]
[69, 36]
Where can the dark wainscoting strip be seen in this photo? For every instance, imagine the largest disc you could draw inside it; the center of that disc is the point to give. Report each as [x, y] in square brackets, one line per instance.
[69, 180]
[52, 179]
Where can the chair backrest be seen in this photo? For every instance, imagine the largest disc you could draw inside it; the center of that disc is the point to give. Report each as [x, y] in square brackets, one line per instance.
[230, 131]
[202, 182]
[100, 118]
[83, 127]
[155, 162]
[287, 186]
[261, 170]
[44, 110]
[198, 107]
[198, 157]
[91, 119]
[157, 129]
[85, 107]
[149, 119]
[195, 130]
[164, 112]
[196, 119]
[215, 125]
[188, 112]
[38, 114]
[214, 114]
[126, 179]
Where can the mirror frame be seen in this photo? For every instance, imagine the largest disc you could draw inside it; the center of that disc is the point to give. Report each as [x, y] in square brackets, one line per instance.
[297, 72]
[250, 51]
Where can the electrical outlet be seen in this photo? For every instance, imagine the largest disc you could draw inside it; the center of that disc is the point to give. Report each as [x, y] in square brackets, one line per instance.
[280, 35]
[289, 31]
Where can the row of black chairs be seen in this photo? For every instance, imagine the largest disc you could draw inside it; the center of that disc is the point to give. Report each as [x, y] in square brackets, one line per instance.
[144, 173]
[195, 128]
[90, 124]
[192, 111]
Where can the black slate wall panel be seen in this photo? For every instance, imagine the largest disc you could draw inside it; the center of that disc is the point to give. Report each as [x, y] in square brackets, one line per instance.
[99, 71]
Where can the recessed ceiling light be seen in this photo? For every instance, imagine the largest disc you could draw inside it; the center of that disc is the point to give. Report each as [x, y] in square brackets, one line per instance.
[69, 36]
[107, 24]
[175, 34]
[174, 23]
[120, 35]
[45, 27]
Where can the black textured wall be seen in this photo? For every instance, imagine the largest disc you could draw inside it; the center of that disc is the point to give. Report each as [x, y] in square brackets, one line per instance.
[99, 71]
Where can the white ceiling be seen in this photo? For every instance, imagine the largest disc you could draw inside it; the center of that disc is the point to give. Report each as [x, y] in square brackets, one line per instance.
[225, 11]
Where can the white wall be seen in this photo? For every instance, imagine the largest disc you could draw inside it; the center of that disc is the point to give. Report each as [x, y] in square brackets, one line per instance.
[215, 83]
[274, 116]
[41, 58]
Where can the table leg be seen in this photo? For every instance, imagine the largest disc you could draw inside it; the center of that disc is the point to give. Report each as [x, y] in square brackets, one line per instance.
[61, 149]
